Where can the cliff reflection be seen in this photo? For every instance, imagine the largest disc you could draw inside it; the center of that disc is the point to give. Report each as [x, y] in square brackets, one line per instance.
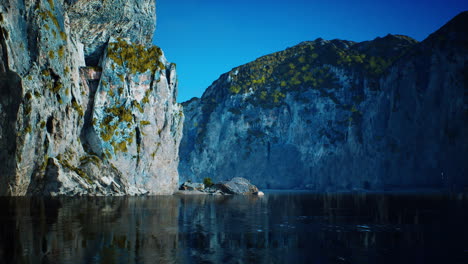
[235, 229]
[278, 228]
[89, 230]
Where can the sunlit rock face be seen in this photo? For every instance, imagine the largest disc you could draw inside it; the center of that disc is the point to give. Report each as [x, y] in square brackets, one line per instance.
[338, 115]
[95, 21]
[136, 122]
[88, 105]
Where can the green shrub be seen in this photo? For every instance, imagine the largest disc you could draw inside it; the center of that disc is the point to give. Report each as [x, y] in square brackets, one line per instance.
[208, 182]
[234, 89]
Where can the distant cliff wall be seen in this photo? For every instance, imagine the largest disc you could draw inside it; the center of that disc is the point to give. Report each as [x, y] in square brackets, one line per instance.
[338, 115]
[88, 105]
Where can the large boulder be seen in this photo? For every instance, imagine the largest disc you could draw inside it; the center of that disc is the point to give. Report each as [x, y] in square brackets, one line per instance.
[237, 185]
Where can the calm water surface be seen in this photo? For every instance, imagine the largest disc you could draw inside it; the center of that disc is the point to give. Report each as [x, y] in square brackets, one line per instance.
[282, 227]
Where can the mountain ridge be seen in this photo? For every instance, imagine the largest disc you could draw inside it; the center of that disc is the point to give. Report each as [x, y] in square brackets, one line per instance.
[287, 118]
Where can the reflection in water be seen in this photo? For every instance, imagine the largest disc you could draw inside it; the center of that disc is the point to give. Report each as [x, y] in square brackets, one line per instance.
[89, 230]
[278, 228]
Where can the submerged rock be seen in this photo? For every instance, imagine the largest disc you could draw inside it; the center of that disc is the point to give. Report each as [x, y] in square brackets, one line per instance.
[88, 104]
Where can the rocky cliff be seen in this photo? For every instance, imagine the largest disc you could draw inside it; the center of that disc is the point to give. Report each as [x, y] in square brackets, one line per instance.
[88, 105]
[338, 115]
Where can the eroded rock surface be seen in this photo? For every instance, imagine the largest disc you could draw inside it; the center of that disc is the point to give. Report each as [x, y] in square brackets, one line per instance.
[88, 105]
[93, 22]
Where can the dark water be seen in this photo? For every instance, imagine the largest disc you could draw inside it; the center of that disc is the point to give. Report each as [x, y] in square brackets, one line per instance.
[282, 227]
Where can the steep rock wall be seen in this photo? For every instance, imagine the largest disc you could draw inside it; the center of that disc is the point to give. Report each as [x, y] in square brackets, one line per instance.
[338, 115]
[67, 95]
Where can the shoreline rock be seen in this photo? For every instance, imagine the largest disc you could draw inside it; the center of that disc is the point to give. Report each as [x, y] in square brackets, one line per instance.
[235, 186]
[189, 186]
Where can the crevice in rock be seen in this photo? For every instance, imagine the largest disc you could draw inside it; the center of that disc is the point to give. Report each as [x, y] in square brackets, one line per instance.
[128, 81]
[50, 125]
[87, 130]
[93, 59]
[38, 176]
[10, 100]
[168, 75]
[33, 36]
[165, 123]
[138, 141]
[152, 81]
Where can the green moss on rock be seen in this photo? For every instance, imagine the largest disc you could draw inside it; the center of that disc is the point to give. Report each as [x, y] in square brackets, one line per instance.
[110, 126]
[27, 109]
[56, 86]
[28, 129]
[63, 35]
[119, 147]
[121, 112]
[138, 106]
[51, 4]
[28, 96]
[65, 163]
[61, 51]
[44, 164]
[77, 107]
[145, 99]
[136, 58]
[45, 72]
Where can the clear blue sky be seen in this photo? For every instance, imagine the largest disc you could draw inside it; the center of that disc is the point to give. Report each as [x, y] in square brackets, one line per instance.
[206, 38]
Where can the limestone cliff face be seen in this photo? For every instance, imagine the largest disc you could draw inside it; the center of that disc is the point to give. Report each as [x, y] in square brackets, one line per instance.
[87, 103]
[338, 115]
[95, 21]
